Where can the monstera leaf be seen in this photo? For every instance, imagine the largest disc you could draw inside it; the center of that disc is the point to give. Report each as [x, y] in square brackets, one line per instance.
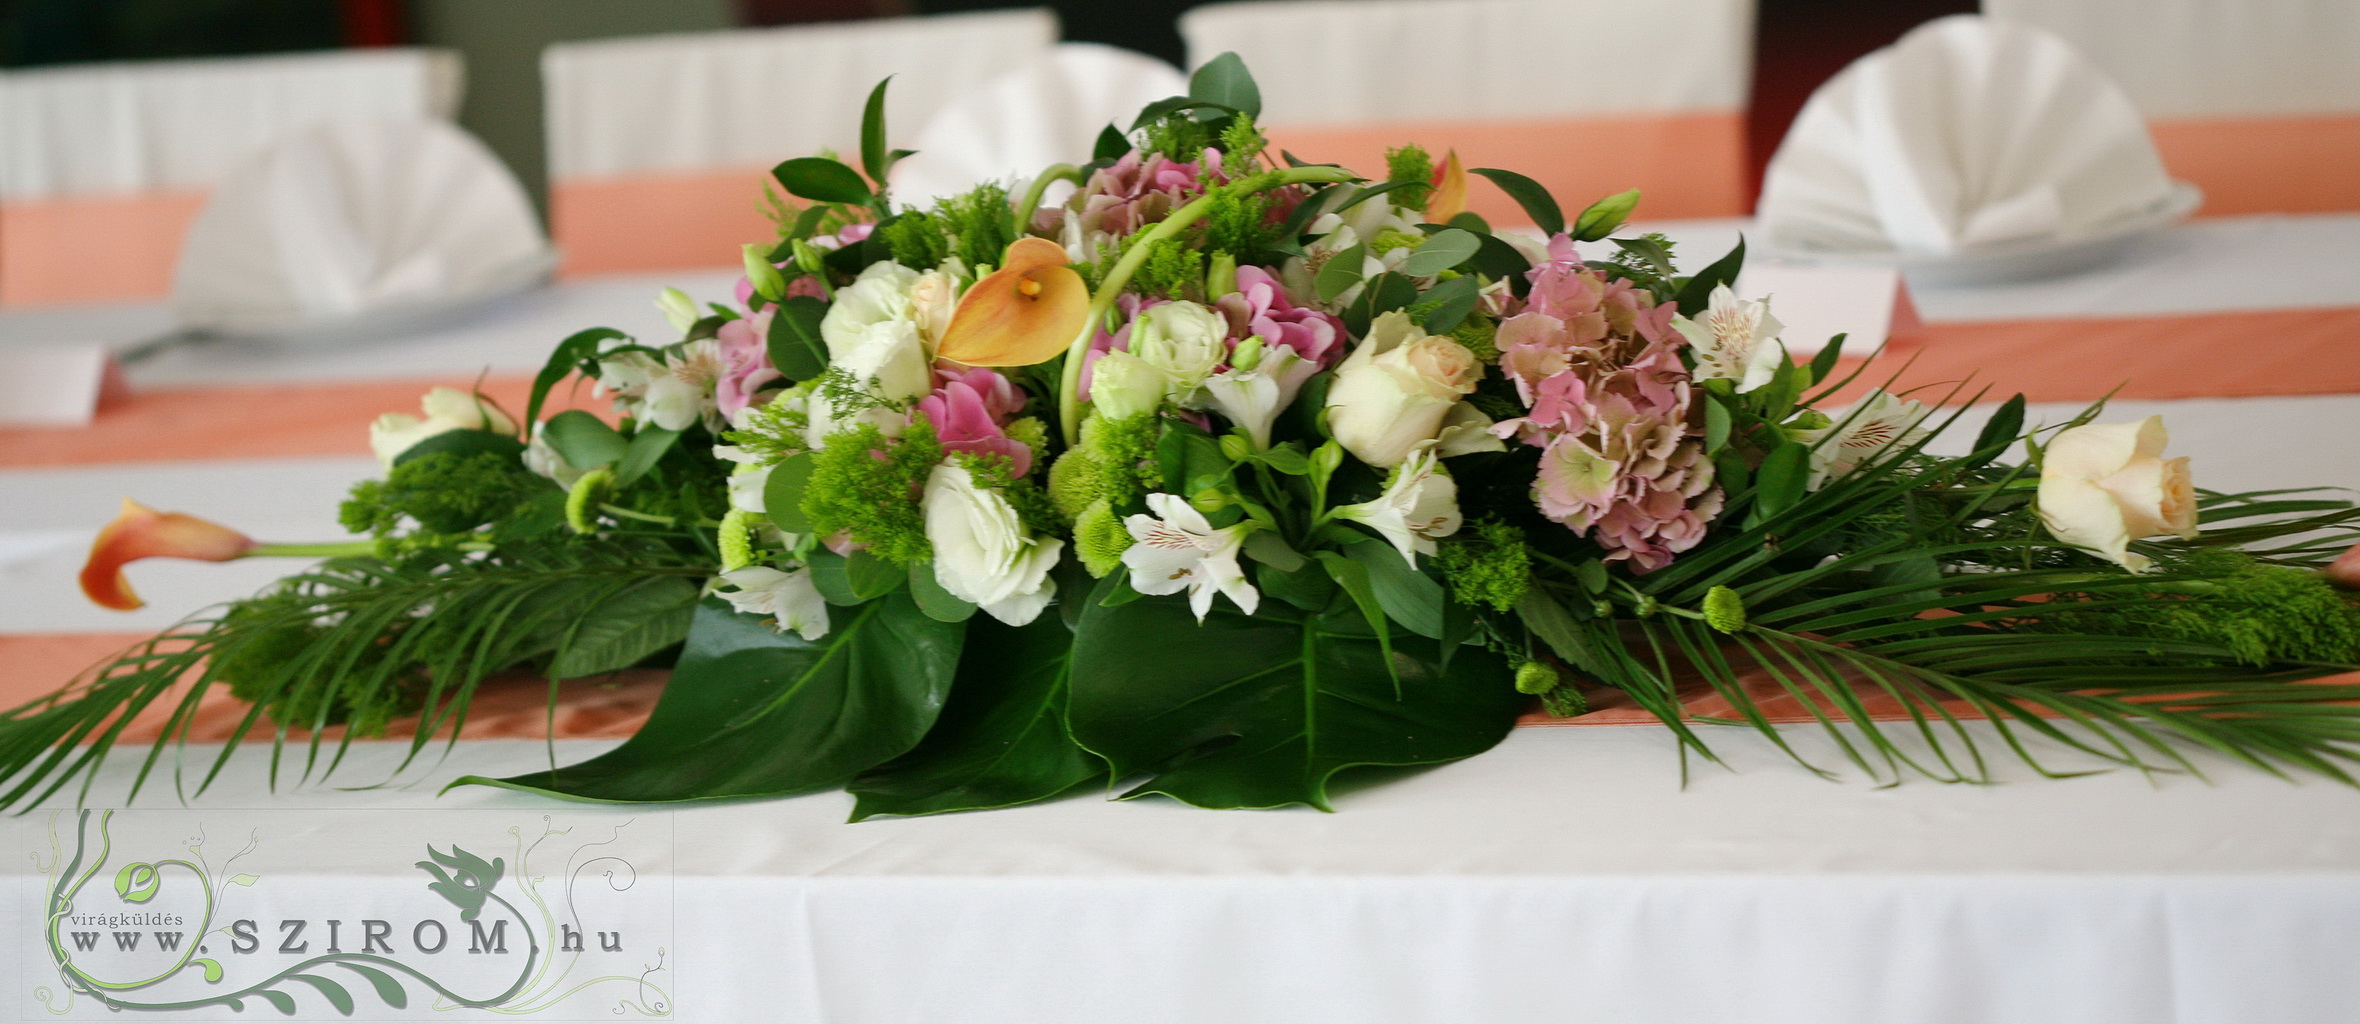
[1262, 710]
[751, 711]
[1002, 739]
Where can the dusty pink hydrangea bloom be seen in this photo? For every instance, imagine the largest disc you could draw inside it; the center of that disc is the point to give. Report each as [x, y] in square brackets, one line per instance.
[1612, 409]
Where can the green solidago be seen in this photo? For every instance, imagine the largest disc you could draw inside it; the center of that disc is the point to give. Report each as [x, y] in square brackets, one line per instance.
[276, 637]
[978, 222]
[1175, 268]
[1488, 565]
[1479, 334]
[1240, 225]
[916, 239]
[1178, 137]
[774, 430]
[874, 500]
[1243, 144]
[443, 493]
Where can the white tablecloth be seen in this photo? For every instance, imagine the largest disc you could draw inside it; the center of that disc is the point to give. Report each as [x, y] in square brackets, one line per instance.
[1565, 876]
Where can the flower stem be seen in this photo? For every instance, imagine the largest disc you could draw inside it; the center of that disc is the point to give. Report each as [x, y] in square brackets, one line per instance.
[1020, 216]
[337, 549]
[1069, 410]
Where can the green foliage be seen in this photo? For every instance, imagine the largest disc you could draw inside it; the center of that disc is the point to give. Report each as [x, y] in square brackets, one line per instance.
[1487, 565]
[442, 492]
[1480, 334]
[2262, 614]
[1410, 163]
[1099, 538]
[977, 221]
[1125, 453]
[280, 632]
[917, 239]
[1240, 225]
[1175, 268]
[866, 486]
[1032, 502]
[774, 430]
[1177, 136]
[1242, 144]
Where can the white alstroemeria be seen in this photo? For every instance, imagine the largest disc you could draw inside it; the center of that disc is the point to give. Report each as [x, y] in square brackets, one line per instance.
[1253, 398]
[982, 554]
[787, 598]
[1734, 341]
[746, 485]
[1465, 431]
[683, 394]
[1177, 549]
[1420, 503]
[447, 409]
[2104, 485]
[1864, 436]
[1333, 234]
[543, 460]
[679, 310]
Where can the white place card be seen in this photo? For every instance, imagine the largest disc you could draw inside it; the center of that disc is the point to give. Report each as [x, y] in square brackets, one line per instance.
[1866, 304]
[55, 385]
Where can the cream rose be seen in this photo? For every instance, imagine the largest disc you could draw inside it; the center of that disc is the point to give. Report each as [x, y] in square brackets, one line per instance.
[2105, 485]
[982, 554]
[1395, 390]
[1183, 340]
[447, 409]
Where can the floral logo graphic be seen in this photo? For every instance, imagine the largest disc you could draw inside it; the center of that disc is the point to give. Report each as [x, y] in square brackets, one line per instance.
[154, 891]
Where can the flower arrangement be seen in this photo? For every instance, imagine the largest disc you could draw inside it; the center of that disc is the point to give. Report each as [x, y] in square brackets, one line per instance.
[1228, 473]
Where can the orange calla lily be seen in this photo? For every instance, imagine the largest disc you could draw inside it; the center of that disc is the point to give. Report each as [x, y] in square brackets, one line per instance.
[1450, 191]
[1024, 313]
[142, 532]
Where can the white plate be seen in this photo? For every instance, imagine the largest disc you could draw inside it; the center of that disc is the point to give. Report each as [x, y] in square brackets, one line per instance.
[2015, 261]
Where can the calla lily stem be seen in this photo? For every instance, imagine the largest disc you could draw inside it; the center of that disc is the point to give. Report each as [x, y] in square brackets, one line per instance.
[1020, 217]
[339, 549]
[1069, 409]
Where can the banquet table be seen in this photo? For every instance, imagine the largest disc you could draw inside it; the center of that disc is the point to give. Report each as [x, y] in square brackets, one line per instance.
[1574, 873]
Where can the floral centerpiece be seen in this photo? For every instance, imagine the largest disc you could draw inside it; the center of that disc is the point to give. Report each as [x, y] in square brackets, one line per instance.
[1225, 474]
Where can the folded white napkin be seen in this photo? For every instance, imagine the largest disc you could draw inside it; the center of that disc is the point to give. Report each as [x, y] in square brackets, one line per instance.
[353, 223]
[1048, 112]
[1968, 133]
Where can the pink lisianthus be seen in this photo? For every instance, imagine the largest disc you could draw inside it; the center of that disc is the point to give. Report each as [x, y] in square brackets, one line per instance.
[1260, 306]
[969, 411]
[745, 362]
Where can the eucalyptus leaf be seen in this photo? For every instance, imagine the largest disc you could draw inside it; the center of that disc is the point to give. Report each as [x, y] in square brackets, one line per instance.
[583, 440]
[1781, 481]
[1823, 365]
[1002, 738]
[1263, 710]
[874, 155]
[569, 356]
[822, 179]
[1225, 80]
[1696, 295]
[1339, 273]
[1716, 426]
[1499, 261]
[795, 344]
[1410, 598]
[782, 494]
[829, 577]
[1538, 204]
[1448, 248]
[937, 602]
[647, 446]
[463, 442]
[1452, 301]
[1112, 144]
[1270, 549]
[752, 711]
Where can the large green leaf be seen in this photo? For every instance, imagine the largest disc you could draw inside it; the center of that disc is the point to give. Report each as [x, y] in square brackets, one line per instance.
[625, 629]
[1262, 710]
[751, 711]
[1002, 740]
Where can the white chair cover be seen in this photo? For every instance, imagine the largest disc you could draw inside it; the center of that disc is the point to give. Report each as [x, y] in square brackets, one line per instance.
[1339, 62]
[181, 124]
[1046, 113]
[2212, 58]
[355, 225]
[1966, 134]
[754, 97]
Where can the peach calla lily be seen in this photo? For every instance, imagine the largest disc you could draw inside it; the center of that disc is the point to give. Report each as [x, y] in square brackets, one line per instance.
[142, 532]
[1024, 313]
[2345, 570]
[1450, 190]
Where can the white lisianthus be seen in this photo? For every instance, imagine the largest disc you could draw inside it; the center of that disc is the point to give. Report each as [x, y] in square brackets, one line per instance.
[1122, 385]
[1395, 390]
[873, 337]
[1420, 503]
[1874, 428]
[1177, 549]
[2104, 485]
[1734, 341]
[447, 409]
[1253, 398]
[1182, 340]
[788, 598]
[881, 295]
[982, 554]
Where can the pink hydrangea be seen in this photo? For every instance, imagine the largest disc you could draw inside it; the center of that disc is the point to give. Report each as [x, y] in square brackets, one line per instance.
[1138, 191]
[969, 410]
[1611, 406]
[1260, 306]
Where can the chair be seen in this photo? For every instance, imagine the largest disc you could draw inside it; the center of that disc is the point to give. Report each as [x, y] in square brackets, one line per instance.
[659, 145]
[102, 167]
[1047, 112]
[2257, 102]
[1590, 97]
